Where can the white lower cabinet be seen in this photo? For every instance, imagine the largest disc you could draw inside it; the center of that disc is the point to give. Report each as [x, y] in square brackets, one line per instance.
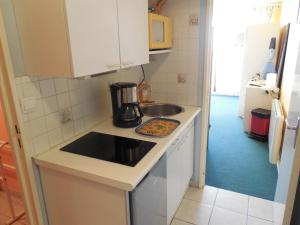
[180, 163]
[72, 200]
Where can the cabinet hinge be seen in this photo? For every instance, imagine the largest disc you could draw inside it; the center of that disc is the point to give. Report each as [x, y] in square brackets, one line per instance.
[17, 129]
[19, 142]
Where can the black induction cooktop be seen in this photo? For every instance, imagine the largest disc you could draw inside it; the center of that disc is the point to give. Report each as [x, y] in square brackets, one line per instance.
[121, 150]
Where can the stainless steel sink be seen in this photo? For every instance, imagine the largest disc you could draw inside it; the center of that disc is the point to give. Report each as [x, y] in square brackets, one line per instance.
[161, 109]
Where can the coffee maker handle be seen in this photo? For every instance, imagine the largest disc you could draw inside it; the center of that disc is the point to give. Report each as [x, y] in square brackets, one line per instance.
[139, 110]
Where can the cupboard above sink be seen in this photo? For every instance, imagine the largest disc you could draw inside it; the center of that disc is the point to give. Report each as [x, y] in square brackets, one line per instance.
[76, 38]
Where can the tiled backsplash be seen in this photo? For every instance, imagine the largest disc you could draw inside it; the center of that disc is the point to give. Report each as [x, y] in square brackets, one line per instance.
[86, 100]
[183, 61]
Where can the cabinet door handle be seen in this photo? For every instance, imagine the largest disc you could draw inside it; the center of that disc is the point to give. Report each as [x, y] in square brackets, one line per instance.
[127, 63]
[113, 66]
[294, 128]
[175, 142]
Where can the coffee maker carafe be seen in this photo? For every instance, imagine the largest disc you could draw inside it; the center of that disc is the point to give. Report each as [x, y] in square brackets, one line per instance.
[126, 110]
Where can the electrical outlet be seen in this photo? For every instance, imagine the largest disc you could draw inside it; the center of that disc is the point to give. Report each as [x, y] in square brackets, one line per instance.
[181, 78]
[194, 20]
[66, 115]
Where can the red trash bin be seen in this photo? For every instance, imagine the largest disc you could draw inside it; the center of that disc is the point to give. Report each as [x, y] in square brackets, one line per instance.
[260, 122]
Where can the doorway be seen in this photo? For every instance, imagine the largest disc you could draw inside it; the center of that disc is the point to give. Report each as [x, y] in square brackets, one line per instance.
[12, 209]
[236, 162]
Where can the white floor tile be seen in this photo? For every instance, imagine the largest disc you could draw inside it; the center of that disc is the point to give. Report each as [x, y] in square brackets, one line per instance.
[207, 195]
[261, 208]
[194, 212]
[278, 212]
[256, 221]
[179, 222]
[232, 201]
[222, 216]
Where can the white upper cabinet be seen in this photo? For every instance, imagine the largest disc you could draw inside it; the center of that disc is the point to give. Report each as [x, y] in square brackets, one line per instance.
[82, 37]
[133, 29]
[93, 35]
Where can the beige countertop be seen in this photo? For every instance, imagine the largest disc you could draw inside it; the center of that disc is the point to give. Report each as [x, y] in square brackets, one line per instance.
[112, 174]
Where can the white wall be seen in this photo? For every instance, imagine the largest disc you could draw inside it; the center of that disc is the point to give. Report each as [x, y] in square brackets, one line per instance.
[184, 60]
[257, 41]
[289, 11]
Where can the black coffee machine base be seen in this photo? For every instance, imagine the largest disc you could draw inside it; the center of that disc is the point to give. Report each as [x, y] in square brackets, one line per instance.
[128, 124]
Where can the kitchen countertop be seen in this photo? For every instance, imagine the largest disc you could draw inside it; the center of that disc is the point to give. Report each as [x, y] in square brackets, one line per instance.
[108, 173]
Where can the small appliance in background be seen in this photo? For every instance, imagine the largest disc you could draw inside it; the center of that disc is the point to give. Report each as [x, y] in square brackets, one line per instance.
[126, 110]
[160, 32]
[260, 122]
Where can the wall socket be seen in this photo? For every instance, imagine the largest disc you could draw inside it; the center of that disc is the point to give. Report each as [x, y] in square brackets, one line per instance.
[194, 20]
[181, 78]
[66, 115]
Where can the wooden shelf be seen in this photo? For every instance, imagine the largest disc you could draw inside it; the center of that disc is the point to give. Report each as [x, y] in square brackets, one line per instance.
[154, 52]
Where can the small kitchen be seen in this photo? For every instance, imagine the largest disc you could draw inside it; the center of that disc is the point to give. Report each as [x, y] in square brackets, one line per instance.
[86, 102]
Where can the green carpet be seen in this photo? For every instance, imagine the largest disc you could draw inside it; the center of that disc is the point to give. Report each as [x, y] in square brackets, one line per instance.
[236, 162]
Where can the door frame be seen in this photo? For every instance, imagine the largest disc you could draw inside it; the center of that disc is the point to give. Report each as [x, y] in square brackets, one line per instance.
[293, 185]
[11, 113]
[206, 91]
[206, 98]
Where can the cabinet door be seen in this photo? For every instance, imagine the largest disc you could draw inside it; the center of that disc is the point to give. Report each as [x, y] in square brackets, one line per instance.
[173, 182]
[93, 32]
[133, 32]
[186, 164]
[188, 152]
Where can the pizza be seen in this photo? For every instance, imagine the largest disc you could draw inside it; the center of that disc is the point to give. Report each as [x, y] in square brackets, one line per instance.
[158, 127]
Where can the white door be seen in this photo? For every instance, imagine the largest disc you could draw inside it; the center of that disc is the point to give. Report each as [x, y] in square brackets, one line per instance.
[94, 39]
[289, 166]
[133, 32]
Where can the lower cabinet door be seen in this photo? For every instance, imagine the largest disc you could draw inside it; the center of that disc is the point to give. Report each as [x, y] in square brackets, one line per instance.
[180, 160]
[173, 183]
[148, 203]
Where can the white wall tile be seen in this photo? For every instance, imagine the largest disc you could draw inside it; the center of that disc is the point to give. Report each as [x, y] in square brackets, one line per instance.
[50, 104]
[31, 89]
[55, 136]
[53, 121]
[79, 126]
[38, 126]
[77, 111]
[68, 130]
[63, 100]
[47, 88]
[41, 143]
[61, 85]
[73, 84]
[88, 100]
[38, 112]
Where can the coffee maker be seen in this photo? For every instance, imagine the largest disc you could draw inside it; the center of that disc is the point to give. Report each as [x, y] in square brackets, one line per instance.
[126, 110]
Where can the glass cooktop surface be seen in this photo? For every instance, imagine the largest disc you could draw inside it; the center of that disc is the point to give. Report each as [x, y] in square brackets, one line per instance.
[121, 150]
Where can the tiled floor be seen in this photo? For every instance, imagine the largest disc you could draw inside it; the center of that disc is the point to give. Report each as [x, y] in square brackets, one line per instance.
[5, 212]
[213, 206]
